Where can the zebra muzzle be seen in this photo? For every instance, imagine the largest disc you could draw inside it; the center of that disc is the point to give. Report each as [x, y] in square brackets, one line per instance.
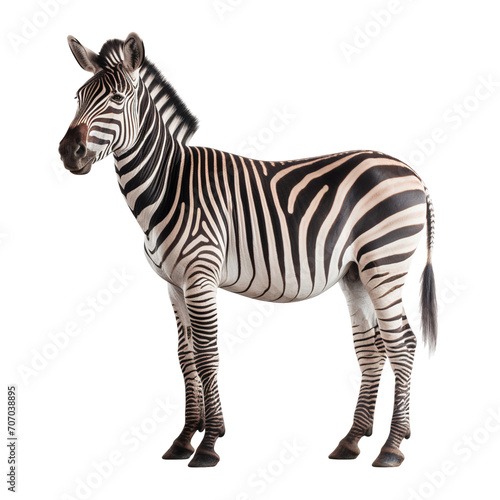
[73, 150]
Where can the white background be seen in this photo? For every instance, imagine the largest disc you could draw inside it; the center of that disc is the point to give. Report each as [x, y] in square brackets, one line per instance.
[294, 378]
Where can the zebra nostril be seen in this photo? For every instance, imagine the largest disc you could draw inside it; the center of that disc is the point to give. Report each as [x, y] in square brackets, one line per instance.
[81, 150]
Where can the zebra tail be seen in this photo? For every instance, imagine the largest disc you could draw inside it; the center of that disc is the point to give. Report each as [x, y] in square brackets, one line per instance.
[428, 300]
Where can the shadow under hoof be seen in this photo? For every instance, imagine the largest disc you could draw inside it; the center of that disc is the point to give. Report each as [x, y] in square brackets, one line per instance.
[204, 458]
[389, 457]
[178, 452]
[345, 451]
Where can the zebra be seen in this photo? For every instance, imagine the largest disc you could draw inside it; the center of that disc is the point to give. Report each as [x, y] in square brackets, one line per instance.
[278, 231]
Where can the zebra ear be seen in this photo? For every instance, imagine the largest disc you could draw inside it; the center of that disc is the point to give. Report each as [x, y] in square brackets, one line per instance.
[86, 58]
[133, 53]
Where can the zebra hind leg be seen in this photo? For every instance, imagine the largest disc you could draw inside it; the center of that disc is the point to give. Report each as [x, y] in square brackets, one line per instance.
[385, 289]
[371, 357]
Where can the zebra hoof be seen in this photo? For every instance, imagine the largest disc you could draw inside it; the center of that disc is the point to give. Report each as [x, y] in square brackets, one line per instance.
[178, 451]
[345, 451]
[389, 457]
[204, 458]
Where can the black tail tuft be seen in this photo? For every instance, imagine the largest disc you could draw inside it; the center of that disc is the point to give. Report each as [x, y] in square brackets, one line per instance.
[428, 307]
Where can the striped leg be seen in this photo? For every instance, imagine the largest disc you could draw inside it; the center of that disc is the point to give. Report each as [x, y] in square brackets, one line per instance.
[195, 416]
[385, 290]
[202, 308]
[371, 357]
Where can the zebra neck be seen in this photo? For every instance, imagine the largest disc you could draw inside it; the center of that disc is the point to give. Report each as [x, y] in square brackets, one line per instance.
[146, 170]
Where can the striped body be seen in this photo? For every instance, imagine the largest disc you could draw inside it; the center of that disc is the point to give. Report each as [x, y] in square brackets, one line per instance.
[273, 231]
[328, 211]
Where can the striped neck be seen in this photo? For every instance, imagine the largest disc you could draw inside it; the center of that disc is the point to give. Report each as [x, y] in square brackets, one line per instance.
[145, 170]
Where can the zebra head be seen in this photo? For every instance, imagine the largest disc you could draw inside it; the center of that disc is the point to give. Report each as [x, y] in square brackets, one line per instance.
[107, 118]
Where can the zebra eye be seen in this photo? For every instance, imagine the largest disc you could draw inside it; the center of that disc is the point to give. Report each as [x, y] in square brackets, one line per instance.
[118, 98]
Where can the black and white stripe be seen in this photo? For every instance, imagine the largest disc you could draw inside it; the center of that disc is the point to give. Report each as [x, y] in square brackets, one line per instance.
[273, 231]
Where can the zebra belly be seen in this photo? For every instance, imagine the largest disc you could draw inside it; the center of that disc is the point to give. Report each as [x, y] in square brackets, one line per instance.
[262, 278]
[286, 290]
[259, 284]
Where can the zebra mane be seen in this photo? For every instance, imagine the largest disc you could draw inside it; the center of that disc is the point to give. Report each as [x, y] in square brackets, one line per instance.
[181, 123]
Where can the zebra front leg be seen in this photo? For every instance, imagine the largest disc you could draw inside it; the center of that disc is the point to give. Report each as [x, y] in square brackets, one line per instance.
[195, 415]
[371, 358]
[201, 304]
